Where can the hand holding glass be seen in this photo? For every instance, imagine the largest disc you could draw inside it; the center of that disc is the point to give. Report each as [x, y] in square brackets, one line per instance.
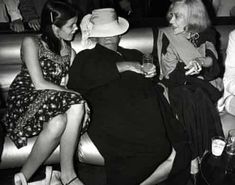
[230, 150]
[147, 64]
[230, 146]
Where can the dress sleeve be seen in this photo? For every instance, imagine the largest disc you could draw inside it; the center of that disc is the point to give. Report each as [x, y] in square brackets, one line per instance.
[89, 71]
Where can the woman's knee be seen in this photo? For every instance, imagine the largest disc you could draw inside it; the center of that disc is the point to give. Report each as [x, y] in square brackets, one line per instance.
[57, 125]
[77, 109]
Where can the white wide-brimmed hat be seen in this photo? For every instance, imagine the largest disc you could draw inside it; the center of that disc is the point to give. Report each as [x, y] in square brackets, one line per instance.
[103, 23]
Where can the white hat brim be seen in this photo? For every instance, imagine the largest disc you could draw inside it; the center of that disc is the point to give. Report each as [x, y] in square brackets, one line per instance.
[111, 29]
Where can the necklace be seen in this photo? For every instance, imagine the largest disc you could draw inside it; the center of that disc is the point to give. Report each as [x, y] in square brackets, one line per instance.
[118, 53]
[194, 38]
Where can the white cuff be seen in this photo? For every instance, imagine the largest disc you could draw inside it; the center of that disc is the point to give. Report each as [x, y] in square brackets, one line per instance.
[15, 15]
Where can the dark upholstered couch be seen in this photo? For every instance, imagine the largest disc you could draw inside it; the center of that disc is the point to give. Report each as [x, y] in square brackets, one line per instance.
[139, 38]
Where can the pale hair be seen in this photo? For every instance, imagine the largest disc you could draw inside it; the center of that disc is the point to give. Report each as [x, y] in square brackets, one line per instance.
[86, 27]
[198, 19]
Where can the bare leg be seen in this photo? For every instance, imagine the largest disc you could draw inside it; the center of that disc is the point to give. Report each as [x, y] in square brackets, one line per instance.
[45, 144]
[69, 141]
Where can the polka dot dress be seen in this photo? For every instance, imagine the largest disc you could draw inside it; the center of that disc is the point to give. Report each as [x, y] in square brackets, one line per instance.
[28, 109]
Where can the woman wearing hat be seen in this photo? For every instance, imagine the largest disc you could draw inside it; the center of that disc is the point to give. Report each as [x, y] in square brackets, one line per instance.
[128, 125]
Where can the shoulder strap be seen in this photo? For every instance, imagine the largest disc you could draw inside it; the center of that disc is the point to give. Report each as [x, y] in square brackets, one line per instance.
[184, 48]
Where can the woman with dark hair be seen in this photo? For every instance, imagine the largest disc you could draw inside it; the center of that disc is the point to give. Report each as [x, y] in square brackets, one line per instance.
[39, 102]
[189, 69]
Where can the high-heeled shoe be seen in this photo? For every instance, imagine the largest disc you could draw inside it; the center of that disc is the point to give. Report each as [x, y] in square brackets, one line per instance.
[19, 178]
[69, 182]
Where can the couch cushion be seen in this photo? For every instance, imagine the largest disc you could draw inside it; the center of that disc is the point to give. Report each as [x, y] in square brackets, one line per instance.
[13, 157]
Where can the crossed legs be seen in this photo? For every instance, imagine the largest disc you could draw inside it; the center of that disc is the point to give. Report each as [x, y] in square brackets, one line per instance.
[68, 143]
[64, 130]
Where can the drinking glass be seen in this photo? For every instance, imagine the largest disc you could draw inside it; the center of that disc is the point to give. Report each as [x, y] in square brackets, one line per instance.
[230, 150]
[230, 146]
[147, 63]
[217, 145]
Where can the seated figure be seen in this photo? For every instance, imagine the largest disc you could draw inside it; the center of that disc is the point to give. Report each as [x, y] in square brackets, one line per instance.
[39, 102]
[131, 123]
[227, 102]
[189, 70]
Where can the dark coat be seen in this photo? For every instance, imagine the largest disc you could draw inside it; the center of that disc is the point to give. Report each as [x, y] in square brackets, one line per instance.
[127, 125]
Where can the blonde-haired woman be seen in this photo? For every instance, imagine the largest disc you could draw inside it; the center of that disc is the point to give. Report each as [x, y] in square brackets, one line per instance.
[188, 68]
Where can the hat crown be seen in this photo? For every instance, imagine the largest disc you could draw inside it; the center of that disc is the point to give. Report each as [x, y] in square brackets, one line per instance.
[103, 23]
[103, 16]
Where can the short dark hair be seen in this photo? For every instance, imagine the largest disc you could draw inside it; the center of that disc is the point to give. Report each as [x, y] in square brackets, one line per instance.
[56, 12]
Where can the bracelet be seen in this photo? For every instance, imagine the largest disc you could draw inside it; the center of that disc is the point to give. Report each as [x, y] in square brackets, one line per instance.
[201, 62]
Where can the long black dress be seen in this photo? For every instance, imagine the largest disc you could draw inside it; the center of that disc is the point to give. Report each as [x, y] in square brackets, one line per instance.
[127, 125]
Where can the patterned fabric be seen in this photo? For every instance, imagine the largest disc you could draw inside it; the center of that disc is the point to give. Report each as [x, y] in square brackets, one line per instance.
[28, 109]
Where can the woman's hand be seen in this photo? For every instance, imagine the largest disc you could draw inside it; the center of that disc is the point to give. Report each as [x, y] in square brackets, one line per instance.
[34, 24]
[193, 68]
